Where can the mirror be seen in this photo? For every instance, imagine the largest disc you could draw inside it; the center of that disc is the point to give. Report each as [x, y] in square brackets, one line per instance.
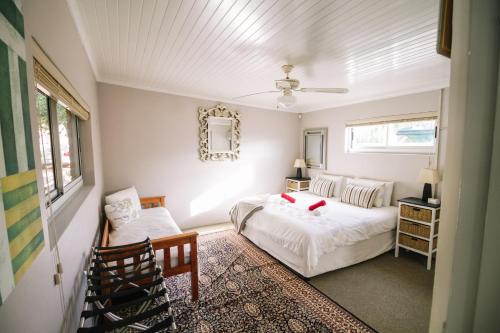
[219, 133]
[315, 148]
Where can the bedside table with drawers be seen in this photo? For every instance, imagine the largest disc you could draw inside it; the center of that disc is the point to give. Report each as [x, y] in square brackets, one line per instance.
[294, 184]
[418, 226]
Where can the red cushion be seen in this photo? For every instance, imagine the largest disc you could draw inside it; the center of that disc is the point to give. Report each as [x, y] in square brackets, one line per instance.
[287, 197]
[317, 205]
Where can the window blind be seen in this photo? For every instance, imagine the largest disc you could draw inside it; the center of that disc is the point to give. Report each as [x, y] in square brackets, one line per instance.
[431, 115]
[48, 76]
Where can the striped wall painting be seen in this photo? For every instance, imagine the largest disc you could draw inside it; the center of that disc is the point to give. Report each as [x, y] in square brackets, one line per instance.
[21, 232]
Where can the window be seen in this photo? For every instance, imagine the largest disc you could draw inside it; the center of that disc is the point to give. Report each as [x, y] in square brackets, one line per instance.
[59, 146]
[404, 135]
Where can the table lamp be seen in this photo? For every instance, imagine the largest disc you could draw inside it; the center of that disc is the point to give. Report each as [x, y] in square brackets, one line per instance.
[428, 177]
[299, 164]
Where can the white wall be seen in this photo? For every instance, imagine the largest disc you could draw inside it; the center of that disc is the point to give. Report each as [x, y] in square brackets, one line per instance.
[464, 280]
[401, 168]
[34, 305]
[151, 140]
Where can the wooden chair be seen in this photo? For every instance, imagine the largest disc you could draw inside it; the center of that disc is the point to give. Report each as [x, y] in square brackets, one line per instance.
[166, 243]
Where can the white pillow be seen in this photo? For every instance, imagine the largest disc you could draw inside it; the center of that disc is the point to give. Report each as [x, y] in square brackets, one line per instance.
[120, 213]
[129, 193]
[389, 187]
[337, 180]
[379, 199]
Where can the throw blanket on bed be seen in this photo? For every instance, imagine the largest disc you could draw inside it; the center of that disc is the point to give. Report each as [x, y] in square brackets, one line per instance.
[245, 208]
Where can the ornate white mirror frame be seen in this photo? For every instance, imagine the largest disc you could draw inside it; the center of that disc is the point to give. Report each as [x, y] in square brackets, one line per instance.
[222, 112]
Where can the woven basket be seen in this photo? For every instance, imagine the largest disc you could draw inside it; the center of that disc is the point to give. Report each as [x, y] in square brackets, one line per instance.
[416, 228]
[416, 213]
[416, 243]
[292, 184]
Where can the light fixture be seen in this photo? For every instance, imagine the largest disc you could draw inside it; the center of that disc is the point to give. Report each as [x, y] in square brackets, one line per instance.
[287, 101]
[299, 164]
[428, 177]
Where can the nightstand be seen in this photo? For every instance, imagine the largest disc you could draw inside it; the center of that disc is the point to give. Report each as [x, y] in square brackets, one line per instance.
[418, 226]
[294, 184]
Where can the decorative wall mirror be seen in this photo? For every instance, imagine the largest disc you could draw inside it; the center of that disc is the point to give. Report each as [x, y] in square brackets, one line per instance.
[315, 148]
[219, 133]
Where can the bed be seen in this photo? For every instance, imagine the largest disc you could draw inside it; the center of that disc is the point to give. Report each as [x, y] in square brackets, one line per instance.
[176, 252]
[342, 235]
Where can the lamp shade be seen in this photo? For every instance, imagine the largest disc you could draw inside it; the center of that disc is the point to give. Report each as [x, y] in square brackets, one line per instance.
[287, 101]
[429, 176]
[299, 163]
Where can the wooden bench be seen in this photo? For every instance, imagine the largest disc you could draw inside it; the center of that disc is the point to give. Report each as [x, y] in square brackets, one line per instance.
[166, 243]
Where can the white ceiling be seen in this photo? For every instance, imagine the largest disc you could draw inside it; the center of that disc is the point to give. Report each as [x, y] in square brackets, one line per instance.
[219, 49]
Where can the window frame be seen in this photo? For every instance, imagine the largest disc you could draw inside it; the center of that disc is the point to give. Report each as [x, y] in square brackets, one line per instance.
[386, 148]
[62, 192]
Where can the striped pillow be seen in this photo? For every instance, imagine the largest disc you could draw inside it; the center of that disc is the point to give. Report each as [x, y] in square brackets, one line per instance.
[362, 196]
[322, 187]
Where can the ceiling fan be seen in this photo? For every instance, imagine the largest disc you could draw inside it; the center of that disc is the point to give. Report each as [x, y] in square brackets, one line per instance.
[287, 86]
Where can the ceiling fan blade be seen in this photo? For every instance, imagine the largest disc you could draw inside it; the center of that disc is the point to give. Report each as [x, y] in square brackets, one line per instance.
[257, 93]
[325, 90]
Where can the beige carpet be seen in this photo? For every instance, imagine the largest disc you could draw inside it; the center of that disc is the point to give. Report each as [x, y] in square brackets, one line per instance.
[389, 294]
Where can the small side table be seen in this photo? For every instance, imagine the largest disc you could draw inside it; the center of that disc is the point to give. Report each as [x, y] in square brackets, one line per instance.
[418, 227]
[294, 184]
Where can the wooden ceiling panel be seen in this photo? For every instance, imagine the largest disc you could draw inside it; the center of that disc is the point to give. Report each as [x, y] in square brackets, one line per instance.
[219, 49]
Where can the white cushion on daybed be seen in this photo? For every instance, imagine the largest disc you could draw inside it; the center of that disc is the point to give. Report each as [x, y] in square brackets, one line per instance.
[128, 193]
[153, 223]
[120, 213]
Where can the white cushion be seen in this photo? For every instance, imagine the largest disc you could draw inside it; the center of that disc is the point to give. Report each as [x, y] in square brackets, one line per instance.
[120, 213]
[339, 183]
[129, 193]
[379, 199]
[153, 223]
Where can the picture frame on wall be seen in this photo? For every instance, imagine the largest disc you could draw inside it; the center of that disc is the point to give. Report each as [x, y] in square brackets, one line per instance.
[445, 28]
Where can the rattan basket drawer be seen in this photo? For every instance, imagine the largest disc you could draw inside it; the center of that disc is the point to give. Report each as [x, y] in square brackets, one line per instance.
[416, 213]
[416, 243]
[416, 228]
[292, 184]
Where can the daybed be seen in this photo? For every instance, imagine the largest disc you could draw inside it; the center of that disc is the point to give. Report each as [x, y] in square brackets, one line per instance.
[175, 251]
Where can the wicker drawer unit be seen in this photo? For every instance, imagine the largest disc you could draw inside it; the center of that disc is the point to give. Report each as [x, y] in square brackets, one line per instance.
[295, 185]
[418, 227]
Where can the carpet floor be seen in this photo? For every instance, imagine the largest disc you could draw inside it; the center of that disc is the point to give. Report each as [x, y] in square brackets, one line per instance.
[389, 294]
[243, 289]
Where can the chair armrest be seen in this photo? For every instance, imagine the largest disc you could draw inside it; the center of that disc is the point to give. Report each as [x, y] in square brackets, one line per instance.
[105, 233]
[150, 202]
[166, 243]
[174, 240]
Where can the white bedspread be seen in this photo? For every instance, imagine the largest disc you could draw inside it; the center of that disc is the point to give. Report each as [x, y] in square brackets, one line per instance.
[307, 235]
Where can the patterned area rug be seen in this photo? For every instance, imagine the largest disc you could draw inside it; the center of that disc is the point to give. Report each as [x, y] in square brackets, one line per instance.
[243, 289]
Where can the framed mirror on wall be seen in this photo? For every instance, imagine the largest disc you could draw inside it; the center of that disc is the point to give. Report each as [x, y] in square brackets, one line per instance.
[315, 148]
[219, 133]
